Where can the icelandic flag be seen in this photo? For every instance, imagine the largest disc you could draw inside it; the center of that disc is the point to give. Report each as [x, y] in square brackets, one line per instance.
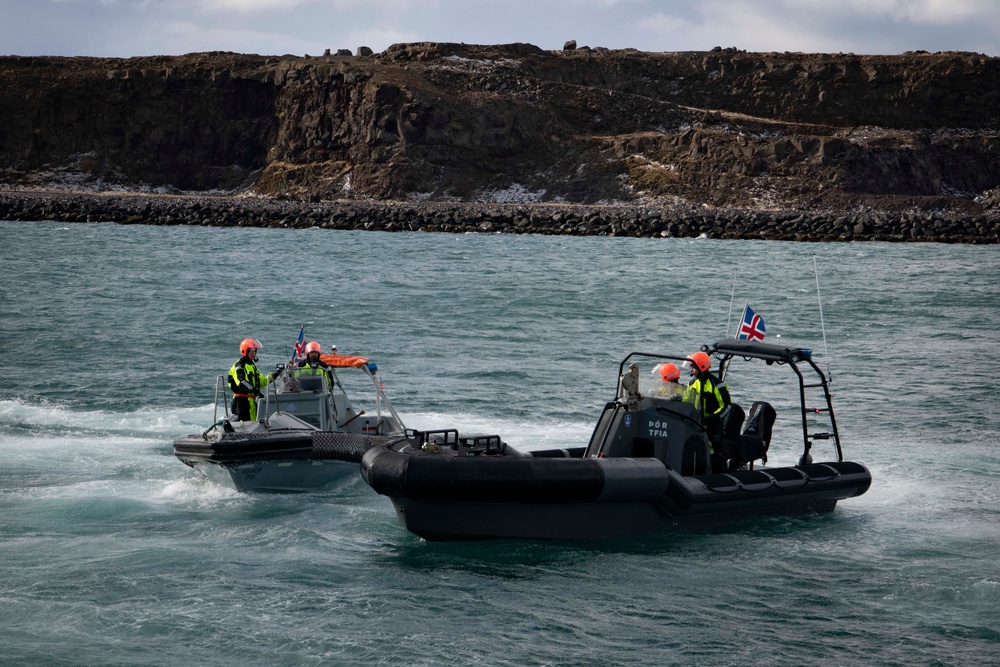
[300, 345]
[752, 326]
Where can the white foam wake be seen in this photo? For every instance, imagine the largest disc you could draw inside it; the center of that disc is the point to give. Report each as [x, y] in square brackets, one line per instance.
[19, 416]
[515, 432]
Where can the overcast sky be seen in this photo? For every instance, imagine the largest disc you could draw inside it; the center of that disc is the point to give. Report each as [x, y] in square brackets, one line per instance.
[123, 28]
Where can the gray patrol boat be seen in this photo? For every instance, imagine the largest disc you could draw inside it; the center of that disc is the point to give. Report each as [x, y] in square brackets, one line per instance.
[312, 432]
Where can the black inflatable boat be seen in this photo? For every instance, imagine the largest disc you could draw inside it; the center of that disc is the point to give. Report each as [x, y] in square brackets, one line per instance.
[650, 465]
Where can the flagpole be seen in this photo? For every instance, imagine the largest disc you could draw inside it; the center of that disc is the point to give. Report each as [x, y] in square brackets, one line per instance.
[299, 341]
[732, 295]
[819, 299]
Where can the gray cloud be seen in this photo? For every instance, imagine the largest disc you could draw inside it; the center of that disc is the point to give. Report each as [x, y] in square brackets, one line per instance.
[125, 28]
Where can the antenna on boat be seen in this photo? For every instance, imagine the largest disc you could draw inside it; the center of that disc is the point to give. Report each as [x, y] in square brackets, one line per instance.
[819, 299]
[732, 295]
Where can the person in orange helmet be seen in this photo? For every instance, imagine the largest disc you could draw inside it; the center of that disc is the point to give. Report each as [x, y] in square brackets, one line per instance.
[246, 381]
[708, 392]
[313, 351]
[669, 375]
[311, 364]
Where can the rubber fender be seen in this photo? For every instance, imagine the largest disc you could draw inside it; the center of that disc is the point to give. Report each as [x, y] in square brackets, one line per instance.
[633, 479]
[421, 476]
[384, 470]
[503, 479]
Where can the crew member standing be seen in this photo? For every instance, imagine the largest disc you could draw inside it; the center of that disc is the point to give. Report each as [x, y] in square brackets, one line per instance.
[706, 391]
[246, 381]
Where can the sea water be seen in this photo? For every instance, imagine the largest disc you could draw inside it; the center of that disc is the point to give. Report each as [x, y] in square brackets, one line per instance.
[112, 552]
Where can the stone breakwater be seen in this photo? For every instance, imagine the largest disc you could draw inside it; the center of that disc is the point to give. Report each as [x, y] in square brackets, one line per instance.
[551, 219]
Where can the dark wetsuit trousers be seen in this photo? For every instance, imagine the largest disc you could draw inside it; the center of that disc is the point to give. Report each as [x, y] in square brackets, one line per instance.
[241, 408]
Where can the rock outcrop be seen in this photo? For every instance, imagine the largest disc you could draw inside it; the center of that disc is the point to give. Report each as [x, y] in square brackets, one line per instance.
[514, 123]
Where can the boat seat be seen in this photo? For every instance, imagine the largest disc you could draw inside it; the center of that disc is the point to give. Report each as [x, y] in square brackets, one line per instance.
[755, 440]
[733, 422]
[728, 447]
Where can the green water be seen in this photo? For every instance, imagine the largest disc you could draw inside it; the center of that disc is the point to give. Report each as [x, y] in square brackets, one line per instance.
[114, 553]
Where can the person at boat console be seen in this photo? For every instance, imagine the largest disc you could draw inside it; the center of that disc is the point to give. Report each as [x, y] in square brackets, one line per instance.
[246, 381]
[312, 364]
[313, 352]
[708, 392]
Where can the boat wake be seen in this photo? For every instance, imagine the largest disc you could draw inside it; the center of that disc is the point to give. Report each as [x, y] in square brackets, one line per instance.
[21, 417]
[525, 436]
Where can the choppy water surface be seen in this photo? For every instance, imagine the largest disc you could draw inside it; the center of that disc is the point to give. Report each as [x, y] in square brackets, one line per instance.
[114, 553]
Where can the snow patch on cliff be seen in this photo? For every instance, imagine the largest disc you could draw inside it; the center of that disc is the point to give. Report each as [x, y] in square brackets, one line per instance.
[515, 194]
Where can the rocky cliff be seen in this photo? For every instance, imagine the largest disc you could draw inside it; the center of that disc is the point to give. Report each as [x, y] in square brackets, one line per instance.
[451, 122]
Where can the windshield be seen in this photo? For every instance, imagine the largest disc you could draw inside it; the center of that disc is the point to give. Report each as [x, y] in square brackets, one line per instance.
[358, 386]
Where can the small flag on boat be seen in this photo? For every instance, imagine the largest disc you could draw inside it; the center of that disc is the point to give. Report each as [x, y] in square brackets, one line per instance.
[752, 325]
[300, 345]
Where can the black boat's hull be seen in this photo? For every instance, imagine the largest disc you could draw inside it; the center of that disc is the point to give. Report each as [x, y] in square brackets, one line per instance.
[278, 462]
[466, 498]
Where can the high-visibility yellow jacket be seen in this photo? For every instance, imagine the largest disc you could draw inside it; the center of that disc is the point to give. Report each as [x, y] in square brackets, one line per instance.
[246, 381]
[705, 391]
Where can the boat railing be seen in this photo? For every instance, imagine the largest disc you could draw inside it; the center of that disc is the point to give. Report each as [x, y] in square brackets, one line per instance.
[480, 444]
[726, 350]
[220, 388]
[808, 411]
[382, 401]
[793, 358]
[271, 388]
[221, 383]
[445, 437]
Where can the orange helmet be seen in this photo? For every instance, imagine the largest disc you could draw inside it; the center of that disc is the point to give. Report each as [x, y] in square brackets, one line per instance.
[701, 360]
[669, 373]
[248, 344]
[313, 346]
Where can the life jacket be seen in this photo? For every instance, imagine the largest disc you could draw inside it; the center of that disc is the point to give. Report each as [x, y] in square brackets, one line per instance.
[245, 379]
[307, 368]
[708, 391]
[668, 389]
